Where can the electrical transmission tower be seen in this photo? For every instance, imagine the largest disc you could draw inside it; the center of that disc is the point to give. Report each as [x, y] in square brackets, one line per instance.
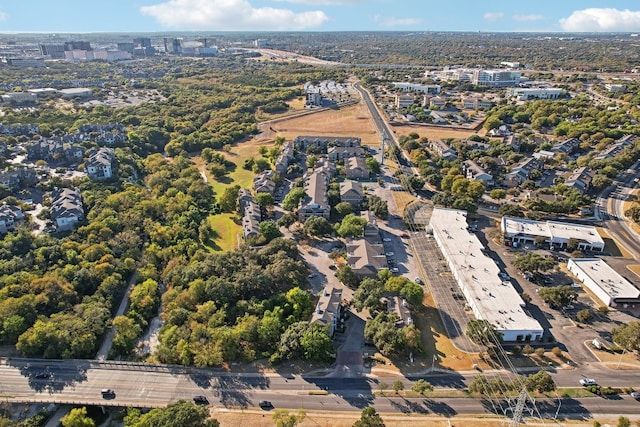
[520, 405]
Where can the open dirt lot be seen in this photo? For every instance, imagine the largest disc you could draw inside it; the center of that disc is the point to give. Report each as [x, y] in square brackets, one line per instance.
[353, 120]
[432, 132]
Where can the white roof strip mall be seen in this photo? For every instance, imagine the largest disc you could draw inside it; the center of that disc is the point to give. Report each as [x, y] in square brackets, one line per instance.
[610, 287]
[488, 296]
[521, 230]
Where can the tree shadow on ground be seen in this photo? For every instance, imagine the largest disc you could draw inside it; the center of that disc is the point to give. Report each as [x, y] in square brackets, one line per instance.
[440, 408]
[234, 390]
[356, 391]
[50, 376]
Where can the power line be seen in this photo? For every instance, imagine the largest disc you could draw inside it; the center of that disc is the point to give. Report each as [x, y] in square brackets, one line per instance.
[497, 386]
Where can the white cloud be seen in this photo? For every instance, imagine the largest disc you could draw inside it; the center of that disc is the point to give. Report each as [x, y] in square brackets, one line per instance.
[395, 22]
[602, 19]
[493, 16]
[230, 15]
[527, 18]
[3, 16]
[323, 2]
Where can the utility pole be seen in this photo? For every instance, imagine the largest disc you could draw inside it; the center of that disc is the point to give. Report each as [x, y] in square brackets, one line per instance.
[555, 417]
[517, 413]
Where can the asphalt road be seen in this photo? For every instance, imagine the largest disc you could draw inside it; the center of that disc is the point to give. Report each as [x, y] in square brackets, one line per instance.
[611, 204]
[80, 382]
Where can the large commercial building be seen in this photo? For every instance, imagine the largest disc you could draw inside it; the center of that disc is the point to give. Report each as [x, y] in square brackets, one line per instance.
[557, 234]
[416, 87]
[479, 77]
[489, 297]
[524, 94]
[609, 286]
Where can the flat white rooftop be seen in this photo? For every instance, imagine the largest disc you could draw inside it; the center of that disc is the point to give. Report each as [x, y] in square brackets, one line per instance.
[552, 229]
[606, 278]
[496, 301]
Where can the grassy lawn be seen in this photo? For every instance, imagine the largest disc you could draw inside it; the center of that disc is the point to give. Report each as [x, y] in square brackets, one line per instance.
[227, 232]
[238, 154]
[402, 199]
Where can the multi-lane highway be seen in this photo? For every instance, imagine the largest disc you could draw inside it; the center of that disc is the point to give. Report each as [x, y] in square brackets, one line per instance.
[80, 382]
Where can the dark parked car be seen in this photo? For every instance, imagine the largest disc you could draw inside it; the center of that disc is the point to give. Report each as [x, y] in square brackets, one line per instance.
[200, 400]
[108, 393]
[265, 404]
[42, 375]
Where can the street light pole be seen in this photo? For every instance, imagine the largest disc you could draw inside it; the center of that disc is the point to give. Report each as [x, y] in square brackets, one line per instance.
[555, 417]
[620, 360]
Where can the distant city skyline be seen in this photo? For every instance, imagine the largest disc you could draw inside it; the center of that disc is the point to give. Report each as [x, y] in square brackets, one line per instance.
[76, 16]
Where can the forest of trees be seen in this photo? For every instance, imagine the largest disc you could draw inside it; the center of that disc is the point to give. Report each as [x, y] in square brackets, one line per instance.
[58, 292]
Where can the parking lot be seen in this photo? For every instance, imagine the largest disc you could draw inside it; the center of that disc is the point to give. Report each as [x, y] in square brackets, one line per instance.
[445, 290]
[558, 322]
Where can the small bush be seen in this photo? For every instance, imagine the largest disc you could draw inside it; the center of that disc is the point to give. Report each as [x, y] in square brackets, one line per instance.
[595, 389]
[516, 350]
[607, 391]
[584, 316]
[597, 424]
[624, 422]
[604, 310]
[557, 351]
[540, 351]
[527, 349]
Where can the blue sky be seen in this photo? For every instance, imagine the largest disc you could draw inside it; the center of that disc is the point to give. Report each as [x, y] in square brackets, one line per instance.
[318, 15]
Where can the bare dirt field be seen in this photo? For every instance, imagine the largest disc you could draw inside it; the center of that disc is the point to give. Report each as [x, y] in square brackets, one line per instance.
[432, 132]
[353, 120]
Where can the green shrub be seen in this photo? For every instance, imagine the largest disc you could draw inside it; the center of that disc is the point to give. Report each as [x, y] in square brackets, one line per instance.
[615, 348]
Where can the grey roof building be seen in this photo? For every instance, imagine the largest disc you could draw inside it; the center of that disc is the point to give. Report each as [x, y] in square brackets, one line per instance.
[66, 208]
[9, 215]
[366, 258]
[328, 309]
[100, 163]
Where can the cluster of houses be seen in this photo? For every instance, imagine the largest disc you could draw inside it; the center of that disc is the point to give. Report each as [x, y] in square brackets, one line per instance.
[265, 181]
[579, 178]
[316, 181]
[19, 129]
[18, 178]
[440, 101]
[345, 149]
[68, 147]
